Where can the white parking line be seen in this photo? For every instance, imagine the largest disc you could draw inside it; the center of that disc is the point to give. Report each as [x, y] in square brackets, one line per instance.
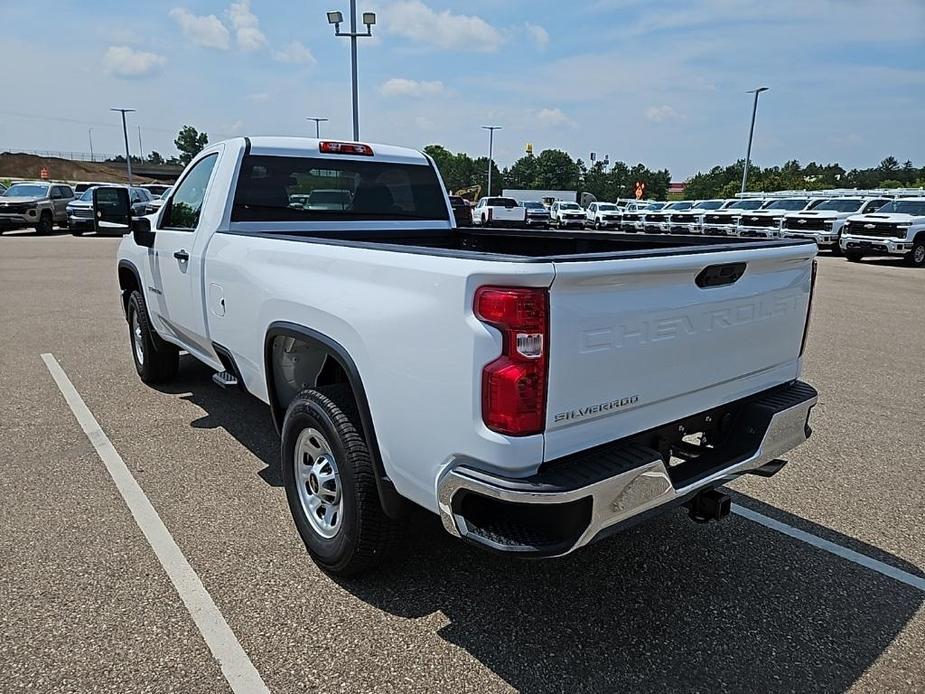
[237, 667]
[839, 551]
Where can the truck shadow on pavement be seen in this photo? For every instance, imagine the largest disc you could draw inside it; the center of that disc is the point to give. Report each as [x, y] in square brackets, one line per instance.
[666, 606]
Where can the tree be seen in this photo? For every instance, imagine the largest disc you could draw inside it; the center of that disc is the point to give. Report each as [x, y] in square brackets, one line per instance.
[155, 158]
[190, 142]
[555, 170]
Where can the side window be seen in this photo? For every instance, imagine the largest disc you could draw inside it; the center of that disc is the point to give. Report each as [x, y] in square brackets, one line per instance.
[186, 202]
[56, 193]
[874, 205]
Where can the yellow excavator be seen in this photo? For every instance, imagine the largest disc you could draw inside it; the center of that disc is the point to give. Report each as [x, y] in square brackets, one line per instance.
[472, 193]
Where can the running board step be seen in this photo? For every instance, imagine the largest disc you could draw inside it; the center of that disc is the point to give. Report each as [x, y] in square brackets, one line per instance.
[225, 379]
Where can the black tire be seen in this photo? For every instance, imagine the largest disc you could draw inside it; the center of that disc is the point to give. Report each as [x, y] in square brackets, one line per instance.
[364, 536]
[76, 231]
[836, 247]
[853, 256]
[46, 223]
[916, 257]
[158, 360]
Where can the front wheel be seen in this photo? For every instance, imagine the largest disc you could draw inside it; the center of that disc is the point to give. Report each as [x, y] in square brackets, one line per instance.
[853, 256]
[46, 223]
[156, 361]
[916, 257]
[330, 483]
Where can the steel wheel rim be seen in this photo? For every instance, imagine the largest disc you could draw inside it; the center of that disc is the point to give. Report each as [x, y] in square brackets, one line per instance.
[318, 483]
[918, 255]
[137, 340]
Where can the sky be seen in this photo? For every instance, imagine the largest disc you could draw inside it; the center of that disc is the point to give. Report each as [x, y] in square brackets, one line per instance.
[662, 83]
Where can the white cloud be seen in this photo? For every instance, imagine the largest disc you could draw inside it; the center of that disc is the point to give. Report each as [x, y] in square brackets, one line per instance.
[123, 61]
[246, 26]
[539, 35]
[414, 20]
[551, 117]
[295, 52]
[662, 114]
[399, 86]
[207, 31]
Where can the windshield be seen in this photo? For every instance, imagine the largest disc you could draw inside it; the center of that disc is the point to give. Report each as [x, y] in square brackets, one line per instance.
[501, 202]
[752, 204]
[569, 206]
[26, 190]
[337, 190]
[793, 205]
[913, 207]
[87, 195]
[709, 205]
[840, 205]
[680, 206]
[655, 206]
[608, 208]
[534, 205]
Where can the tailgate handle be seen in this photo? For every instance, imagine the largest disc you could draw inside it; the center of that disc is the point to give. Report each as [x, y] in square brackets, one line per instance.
[719, 275]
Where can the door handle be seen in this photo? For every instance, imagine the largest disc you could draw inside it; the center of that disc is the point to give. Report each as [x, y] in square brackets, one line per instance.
[181, 255]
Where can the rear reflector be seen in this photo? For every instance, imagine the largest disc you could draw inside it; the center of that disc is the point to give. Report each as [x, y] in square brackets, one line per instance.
[514, 384]
[345, 148]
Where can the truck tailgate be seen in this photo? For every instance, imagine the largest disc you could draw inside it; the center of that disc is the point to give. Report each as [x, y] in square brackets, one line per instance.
[635, 343]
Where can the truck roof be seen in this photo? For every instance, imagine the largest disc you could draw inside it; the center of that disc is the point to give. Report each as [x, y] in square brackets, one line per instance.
[309, 147]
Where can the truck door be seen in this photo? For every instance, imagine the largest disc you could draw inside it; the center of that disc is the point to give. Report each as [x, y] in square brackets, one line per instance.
[177, 261]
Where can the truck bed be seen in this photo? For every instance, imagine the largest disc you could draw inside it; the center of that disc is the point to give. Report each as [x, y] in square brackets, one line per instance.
[526, 245]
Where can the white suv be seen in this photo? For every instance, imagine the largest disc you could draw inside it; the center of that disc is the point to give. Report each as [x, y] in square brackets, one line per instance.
[897, 228]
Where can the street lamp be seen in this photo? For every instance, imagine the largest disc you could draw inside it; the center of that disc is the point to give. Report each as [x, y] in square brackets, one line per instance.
[128, 157]
[751, 134]
[491, 143]
[369, 19]
[318, 122]
[90, 134]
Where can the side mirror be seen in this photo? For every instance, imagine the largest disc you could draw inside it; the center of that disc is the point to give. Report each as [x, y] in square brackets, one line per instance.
[112, 210]
[141, 232]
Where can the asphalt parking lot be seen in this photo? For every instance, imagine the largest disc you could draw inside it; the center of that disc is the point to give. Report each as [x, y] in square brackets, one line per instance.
[667, 606]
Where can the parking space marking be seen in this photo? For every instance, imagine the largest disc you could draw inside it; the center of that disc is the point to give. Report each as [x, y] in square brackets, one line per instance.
[827, 546]
[237, 667]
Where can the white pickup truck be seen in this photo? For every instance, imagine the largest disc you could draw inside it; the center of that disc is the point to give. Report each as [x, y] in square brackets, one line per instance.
[824, 223]
[499, 212]
[896, 229]
[536, 390]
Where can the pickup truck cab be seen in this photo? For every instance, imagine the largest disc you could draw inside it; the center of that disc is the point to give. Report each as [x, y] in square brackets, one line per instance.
[603, 215]
[536, 391]
[36, 204]
[824, 223]
[499, 212]
[564, 214]
[896, 229]
[766, 221]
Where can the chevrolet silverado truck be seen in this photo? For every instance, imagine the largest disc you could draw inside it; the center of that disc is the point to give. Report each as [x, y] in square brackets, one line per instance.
[691, 221]
[499, 212]
[36, 204]
[631, 220]
[723, 222]
[537, 391]
[896, 229]
[824, 223]
[766, 222]
[656, 221]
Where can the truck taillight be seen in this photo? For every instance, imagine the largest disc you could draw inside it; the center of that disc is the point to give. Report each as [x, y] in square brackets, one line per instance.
[809, 307]
[514, 384]
[328, 147]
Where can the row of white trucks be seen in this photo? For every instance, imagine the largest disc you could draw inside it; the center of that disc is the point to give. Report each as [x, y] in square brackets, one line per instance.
[858, 223]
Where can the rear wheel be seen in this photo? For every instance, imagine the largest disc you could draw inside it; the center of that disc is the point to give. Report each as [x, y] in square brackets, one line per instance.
[331, 484]
[916, 257]
[156, 361]
[854, 256]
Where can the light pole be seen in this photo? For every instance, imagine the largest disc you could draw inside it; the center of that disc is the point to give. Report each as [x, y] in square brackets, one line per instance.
[751, 134]
[369, 19]
[128, 157]
[141, 151]
[318, 122]
[491, 145]
[90, 135]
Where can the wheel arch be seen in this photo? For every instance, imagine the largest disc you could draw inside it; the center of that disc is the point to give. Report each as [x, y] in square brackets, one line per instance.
[336, 365]
[129, 281]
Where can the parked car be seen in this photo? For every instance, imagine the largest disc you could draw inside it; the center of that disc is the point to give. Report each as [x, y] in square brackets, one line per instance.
[766, 221]
[83, 187]
[631, 219]
[462, 213]
[80, 211]
[896, 229]
[656, 221]
[154, 206]
[36, 204]
[498, 211]
[603, 215]
[156, 189]
[535, 397]
[723, 222]
[823, 224]
[537, 214]
[565, 214]
[691, 221]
